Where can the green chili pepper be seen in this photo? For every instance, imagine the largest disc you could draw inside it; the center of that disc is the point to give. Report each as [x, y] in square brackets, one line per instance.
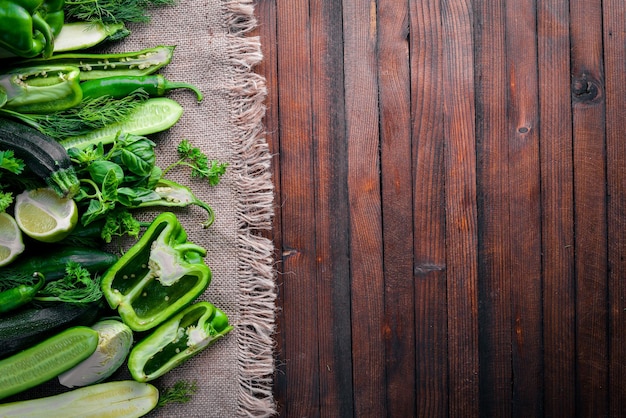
[181, 337]
[158, 276]
[15, 297]
[121, 86]
[41, 89]
[23, 28]
[94, 66]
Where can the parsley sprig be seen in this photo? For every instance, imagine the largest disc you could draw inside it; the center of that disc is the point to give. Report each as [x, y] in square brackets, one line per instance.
[193, 157]
[14, 165]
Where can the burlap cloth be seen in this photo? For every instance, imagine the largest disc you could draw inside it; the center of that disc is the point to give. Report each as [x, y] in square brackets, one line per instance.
[215, 52]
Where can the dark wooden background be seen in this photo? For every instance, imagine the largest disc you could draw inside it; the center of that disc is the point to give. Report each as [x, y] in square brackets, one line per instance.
[450, 206]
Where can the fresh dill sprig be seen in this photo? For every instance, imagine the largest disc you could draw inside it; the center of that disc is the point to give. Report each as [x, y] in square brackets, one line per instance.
[181, 392]
[112, 11]
[198, 161]
[90, 114]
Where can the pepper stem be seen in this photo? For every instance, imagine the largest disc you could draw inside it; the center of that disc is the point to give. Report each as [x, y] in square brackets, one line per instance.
[171, 85]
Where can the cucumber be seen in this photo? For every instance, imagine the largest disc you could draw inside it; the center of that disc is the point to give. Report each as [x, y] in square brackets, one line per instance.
[31, 325]
[51, 264]
[46, 360]
[76, 36]
[121, 399]
[153, 115]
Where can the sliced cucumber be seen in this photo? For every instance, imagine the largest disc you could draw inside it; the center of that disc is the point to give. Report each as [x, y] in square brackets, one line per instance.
[46, 360]
[153, 115]
[82, 35]
[121, 399]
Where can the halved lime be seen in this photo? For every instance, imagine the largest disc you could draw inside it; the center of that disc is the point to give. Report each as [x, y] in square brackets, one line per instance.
[11, 244]
[45, 216]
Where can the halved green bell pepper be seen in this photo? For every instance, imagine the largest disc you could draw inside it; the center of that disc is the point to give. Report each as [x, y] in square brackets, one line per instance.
[158, 276]
[180, 338]
[41, 89]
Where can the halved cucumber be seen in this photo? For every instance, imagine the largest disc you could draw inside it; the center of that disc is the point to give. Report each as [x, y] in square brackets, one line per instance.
[153, 115]
[46, 360]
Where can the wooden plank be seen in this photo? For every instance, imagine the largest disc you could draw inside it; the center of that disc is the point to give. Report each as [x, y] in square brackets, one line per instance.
[366, 249]
[394, 79]
[431, 348]
[524, 208]
[332, 211]
[614, 52]
[265, 12]
[299, 290]
[493, 208]
[557, 196]
[590, 206]
[461, 212]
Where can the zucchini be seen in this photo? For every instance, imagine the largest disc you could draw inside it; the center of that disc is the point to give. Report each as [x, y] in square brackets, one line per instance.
[52, 264]
[46, 360]
[153, 115]
[43, 155]
[121, 399]
[30, 325]
[76, 36]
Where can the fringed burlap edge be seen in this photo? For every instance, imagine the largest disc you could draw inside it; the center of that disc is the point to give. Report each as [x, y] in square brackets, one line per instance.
[251, 166]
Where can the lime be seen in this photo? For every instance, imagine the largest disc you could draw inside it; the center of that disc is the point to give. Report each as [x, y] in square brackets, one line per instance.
[45, 216]
[11, 244]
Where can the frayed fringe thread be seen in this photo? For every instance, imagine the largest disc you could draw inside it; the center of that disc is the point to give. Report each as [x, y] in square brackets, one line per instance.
[251, 167]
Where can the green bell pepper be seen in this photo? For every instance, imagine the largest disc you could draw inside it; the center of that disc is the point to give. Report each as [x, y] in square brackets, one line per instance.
[41, 89]
[55, 15]
[24, 30]
[158, 276]
[183, 336]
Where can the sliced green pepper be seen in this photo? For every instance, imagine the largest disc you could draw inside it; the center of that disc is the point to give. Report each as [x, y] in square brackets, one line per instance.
[41, 89]
[183, 336]
[93, 66]
[173, 194]
[24, 30]
[158, 276]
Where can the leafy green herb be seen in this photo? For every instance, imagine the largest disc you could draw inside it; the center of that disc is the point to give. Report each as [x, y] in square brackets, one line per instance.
[11, 164]
[201, 167]
[120, 223]
[120, 178]
[76, 286]
[112, 11]
[181, 392]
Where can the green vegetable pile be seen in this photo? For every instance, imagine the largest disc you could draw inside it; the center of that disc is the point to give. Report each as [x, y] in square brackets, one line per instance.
[81, 124]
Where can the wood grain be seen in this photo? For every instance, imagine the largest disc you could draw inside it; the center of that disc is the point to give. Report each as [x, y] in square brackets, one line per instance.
[557, 198]
[588, 114]
[450, 206]
[394, 85]
[429, 223]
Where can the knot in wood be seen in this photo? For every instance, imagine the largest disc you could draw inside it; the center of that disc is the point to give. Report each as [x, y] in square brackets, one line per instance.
[586, 89]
